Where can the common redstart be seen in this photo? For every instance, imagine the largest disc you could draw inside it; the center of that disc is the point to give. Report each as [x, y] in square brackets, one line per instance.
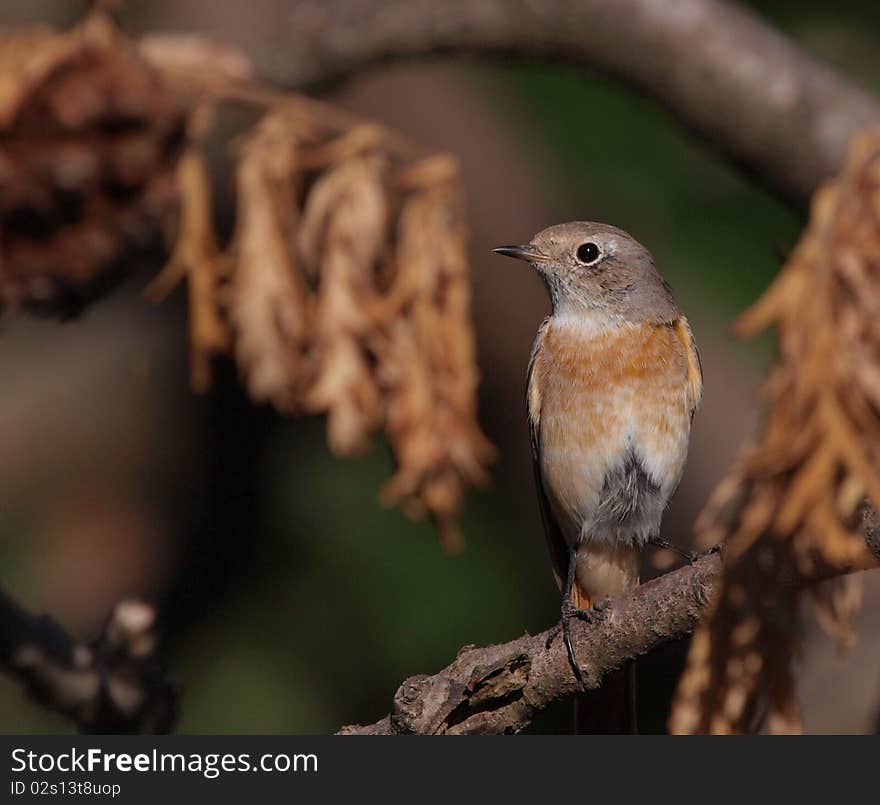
[613, 382]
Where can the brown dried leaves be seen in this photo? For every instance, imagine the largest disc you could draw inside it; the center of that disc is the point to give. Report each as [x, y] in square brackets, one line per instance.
[89, 137]
[343, 290]
[429, 366]
[791, 510]
[197, 257]
[268, 300]
[347, 295]
[343, 235]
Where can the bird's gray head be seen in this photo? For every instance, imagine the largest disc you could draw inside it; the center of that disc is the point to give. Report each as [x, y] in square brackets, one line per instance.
[597, 270]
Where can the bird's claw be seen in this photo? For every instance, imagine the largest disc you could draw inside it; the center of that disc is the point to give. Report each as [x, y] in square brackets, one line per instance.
[666, 545]
[569, 613]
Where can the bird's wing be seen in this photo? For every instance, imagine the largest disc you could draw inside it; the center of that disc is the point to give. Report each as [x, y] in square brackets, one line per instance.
[555, 540]
[694, 366]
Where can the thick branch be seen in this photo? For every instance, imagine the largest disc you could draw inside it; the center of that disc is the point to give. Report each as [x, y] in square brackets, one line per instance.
[112, 686]
[498, 689]
[727, 75]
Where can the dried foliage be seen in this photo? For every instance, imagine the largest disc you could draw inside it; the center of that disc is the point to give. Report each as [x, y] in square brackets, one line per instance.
[343, 234]
[197, 257]
[349, 297]
[268, 303]
[428, 362]
[792, 509]
[343, 289]
[89, 137]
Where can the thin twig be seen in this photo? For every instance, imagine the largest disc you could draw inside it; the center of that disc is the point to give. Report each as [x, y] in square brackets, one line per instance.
[114, 685]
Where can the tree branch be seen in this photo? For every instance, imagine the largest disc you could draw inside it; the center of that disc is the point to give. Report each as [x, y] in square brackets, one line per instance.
[732, 79]
[111, 686]
[499, 689]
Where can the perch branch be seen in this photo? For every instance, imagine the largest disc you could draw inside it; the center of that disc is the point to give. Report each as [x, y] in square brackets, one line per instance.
[113, 685]
[727, 75]
[499, 689]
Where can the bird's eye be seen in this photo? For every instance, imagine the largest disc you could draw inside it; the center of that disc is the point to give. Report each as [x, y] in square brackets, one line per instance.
[587, 253]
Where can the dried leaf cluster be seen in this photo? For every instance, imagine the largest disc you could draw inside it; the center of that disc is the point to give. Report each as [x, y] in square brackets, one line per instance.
[343, 289]
[348, 296]
[88, 141]
[791, 510]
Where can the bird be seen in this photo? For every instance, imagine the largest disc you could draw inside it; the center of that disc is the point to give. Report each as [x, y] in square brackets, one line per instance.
[613, 382]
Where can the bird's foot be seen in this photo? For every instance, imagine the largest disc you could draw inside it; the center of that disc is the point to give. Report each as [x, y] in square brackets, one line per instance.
[666, 545]
[571, 612]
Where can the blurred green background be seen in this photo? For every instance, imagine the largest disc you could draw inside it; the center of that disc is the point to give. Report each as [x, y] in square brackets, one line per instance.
[291, 601]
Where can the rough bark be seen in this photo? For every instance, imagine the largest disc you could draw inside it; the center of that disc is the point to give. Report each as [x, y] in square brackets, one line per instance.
[499, 689]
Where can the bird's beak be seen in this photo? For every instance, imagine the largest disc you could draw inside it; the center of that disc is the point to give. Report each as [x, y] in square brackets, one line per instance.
[524, 251]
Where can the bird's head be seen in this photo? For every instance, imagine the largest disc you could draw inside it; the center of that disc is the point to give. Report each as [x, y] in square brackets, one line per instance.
[599, 270]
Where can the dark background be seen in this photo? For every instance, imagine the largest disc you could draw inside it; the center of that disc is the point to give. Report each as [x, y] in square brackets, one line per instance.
[291, 601]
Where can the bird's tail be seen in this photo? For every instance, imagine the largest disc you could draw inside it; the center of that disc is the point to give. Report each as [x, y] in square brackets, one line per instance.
[611, 708]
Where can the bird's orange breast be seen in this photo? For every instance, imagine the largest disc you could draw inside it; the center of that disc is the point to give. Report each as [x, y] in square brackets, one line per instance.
[595, 395]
